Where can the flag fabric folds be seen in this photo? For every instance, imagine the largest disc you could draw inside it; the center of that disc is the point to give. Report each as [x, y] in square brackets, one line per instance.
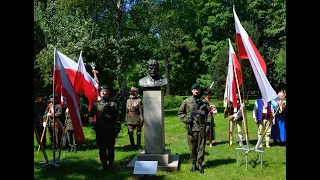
[234, 75]
[85, 84]
[63, 86]
[258, 65]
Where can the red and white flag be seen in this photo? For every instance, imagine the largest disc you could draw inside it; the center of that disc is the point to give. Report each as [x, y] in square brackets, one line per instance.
[85, 84]
[234, 75]
[62, 83]
[246, 49]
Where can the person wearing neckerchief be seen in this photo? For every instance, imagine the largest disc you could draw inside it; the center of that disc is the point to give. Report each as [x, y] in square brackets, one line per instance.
[263, 114]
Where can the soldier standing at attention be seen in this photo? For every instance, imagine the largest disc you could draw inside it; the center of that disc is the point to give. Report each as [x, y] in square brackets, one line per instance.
[70, 133]
[193, 112]
[39, 109]
[107, 126]
[134, 117]
[59, 117]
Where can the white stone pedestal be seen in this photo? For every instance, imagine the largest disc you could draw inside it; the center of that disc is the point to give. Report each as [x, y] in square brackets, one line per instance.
[154, 142]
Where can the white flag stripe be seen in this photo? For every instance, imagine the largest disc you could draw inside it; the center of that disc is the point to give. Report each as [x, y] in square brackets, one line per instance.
[266, 89]
[65, 80]
[230, 73]
[87, 76]
[72, 65]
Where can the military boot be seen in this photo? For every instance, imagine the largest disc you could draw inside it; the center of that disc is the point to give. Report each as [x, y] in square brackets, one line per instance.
[105, 167]
[75, 148]
[132, 141]
[200, 167]
[194, 167]
[139, 140]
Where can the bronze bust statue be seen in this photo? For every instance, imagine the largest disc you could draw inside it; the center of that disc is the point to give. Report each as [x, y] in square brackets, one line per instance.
[153, 79]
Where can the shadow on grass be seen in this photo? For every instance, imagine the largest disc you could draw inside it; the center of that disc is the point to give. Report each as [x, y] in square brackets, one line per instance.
[147, 177]
[78, 169]
[75, 169]
[217, 162]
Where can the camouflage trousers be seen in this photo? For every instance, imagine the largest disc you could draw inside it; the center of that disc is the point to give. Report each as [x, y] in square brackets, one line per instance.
[58, 133]
[71, 138]
[197, 142]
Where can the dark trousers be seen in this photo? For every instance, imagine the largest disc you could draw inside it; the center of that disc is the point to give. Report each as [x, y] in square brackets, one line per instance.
[106, 141]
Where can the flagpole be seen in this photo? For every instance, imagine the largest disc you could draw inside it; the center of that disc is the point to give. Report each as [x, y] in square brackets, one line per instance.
[244, 111]
[41, 145]
[54, 122]
[227, 109]
[43, 133]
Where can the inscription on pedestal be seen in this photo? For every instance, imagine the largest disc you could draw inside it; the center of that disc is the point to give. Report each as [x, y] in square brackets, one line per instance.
[153, 122]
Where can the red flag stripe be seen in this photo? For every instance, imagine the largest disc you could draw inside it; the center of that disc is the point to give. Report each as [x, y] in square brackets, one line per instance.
[69, 93]
[256, 62]
[84, 84]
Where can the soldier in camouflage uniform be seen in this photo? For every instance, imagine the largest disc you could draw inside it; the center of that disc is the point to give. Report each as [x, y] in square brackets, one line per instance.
[134, 117]
[39, 109]
[193, 112]
[107, 126]
[59, 111]
[70, 133]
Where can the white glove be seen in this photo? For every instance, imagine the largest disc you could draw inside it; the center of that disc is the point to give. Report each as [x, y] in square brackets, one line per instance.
[273, 121]
[44, 124]
[215, 111]
[49, 114]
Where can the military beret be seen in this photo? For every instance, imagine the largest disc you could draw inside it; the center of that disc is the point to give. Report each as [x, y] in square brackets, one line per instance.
[195, 86]
[104, 87]
[51, 96]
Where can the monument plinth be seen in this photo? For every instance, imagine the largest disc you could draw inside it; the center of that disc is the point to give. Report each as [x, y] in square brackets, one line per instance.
[154, 138]
[153, 112]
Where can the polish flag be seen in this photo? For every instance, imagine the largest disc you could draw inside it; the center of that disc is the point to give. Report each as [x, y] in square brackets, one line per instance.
[234, 75]
[242, 48]
[62, 83]
[246, 48]
[85, 84]
[226, 94]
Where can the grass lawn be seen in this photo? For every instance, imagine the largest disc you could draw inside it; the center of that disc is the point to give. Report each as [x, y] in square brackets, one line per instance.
[220, 160]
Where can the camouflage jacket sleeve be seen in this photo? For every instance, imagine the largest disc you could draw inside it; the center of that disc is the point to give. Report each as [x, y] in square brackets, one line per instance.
[141, 111]
[58, 111]
[182, 112]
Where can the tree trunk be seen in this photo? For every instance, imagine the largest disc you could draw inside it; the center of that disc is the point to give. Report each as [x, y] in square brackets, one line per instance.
[121, 74]
[166, 67]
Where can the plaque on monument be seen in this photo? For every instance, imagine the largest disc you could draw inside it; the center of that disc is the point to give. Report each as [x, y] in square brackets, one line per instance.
[145, 167]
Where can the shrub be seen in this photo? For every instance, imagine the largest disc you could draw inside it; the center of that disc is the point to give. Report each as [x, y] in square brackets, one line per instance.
[172, 102]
